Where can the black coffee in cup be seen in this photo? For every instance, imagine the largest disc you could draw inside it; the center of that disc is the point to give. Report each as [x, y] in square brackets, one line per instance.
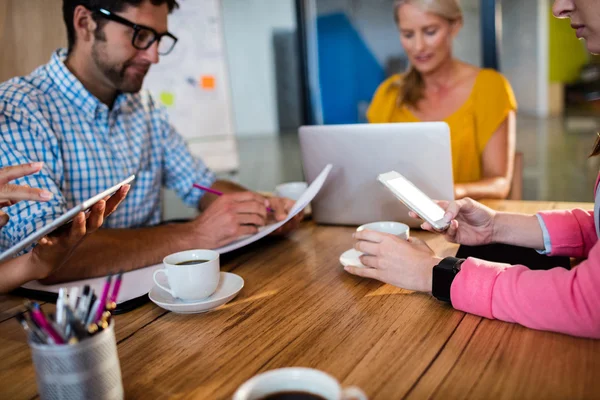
[192, 262]
[293, 395]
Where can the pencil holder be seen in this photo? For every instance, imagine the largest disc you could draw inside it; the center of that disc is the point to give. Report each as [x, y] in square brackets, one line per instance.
[85, 370]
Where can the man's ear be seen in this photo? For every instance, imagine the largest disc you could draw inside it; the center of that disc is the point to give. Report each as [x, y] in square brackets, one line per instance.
[84, 24]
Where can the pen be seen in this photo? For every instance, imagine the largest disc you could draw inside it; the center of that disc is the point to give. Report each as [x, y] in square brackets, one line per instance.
[38, 316]
[82, 305]
[78, 330]
[59, 329]
[102, 305]
[216, 192]
[35, 326]
[73, 297]
[60, 315]
[34, 333]
[67, 326]
[93, 312]
[91, 301]
[115, 292]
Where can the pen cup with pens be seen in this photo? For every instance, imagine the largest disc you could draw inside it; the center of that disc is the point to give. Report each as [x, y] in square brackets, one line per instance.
[75, 352]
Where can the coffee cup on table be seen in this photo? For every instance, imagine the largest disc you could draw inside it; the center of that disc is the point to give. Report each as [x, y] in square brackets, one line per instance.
[191, 274]
[293, 191]
[397, 229]
[297, 383]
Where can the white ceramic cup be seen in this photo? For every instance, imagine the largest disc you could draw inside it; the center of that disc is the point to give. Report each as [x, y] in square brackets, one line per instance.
[394, 228]
[291, 190]
[397, 229]
[296, 379]
[190, 282]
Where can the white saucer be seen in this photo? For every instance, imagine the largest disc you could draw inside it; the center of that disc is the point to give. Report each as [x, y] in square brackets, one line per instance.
[229, 286]
[351, 257]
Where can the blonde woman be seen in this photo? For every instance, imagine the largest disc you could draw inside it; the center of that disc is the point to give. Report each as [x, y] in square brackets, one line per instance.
[478, 104]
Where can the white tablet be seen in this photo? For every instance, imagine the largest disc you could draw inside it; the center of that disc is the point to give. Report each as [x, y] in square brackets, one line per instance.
[63, 219]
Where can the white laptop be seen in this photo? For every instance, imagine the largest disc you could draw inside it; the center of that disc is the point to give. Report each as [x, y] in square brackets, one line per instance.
[359, 153]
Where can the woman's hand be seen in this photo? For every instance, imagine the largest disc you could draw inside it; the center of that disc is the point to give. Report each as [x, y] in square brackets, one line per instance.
[471, 224]
[53, 250]
[404, 263]
[11, 194]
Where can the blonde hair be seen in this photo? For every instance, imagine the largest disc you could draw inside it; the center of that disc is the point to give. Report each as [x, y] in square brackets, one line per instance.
[411, 83]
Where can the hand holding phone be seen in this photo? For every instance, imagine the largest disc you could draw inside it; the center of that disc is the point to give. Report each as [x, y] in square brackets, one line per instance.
[415, 199]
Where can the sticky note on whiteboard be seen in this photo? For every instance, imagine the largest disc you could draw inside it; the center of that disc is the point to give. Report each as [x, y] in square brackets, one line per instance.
[167, 98]
[207, 82]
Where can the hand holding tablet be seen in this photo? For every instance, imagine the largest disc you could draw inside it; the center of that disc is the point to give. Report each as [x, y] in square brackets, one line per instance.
[78, 226]
[53, 250]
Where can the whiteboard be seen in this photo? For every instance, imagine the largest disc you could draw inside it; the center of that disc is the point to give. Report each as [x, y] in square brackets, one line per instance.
[192, 82]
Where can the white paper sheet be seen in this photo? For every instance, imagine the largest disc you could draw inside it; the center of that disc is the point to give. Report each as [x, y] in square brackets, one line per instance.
[139, 282]
[308, 196]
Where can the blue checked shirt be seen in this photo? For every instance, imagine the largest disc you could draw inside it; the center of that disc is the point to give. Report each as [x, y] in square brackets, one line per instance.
[49, 116]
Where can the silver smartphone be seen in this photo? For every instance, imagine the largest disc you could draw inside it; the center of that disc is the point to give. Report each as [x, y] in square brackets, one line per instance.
[60, 221]
[415, 199]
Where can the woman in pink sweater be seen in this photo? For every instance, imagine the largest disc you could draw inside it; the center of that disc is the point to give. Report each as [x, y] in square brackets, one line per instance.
[559, 300]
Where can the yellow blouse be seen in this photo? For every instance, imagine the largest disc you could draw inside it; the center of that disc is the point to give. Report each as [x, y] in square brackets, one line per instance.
[471, 127]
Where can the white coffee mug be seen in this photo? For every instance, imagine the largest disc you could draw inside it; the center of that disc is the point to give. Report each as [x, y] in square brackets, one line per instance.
[296, 379]
[397, 229]
[394, 228]
[194, 281]
[291, 190]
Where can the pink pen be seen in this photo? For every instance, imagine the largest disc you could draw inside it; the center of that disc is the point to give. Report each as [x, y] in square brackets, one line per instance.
[112, 303]
[216, 192]
[38, 316]
[103, 298]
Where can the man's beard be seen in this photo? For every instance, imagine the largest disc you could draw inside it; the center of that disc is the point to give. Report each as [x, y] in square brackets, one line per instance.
[116, 73]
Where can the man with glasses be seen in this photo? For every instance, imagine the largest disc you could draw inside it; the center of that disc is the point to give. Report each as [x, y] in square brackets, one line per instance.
[84, 116]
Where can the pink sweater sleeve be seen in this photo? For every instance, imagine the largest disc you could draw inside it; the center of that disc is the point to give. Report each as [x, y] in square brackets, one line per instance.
[572, 232]
[556, 300]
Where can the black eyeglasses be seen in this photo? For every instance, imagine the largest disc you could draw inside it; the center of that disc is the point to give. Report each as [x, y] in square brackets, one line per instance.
[143, 36]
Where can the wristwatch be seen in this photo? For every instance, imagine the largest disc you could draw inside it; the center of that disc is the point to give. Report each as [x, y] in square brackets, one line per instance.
[443, 275]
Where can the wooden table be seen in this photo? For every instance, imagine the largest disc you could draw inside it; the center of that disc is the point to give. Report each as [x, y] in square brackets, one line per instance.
[299, 308]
